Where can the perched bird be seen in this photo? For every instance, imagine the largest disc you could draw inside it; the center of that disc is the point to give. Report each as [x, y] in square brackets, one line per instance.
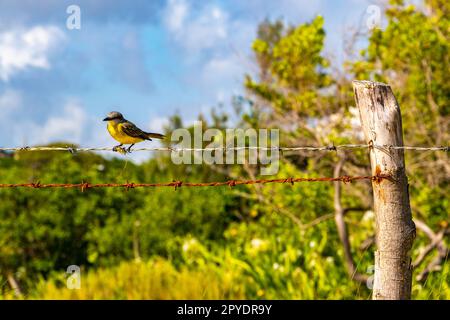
[126, 132]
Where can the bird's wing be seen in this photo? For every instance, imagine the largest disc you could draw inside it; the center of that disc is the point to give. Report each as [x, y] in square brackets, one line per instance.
[133, 131]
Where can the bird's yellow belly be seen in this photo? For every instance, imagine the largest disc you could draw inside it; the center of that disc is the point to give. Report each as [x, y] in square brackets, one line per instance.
[120, 136]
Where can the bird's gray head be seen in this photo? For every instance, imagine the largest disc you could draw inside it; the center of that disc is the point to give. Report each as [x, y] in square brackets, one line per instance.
[113, 115]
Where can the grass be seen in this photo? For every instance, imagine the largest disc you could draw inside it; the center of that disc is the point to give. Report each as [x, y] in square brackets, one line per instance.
[157, 279]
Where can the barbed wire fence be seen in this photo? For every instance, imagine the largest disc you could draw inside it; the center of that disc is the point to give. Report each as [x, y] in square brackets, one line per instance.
[231, 183]
[177, 184]
[282, 149]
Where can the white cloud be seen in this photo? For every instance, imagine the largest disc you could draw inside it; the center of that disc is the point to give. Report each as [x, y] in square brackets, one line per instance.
[176, 13]
[223, 76]
[10, 100]
[195, 30]
[24, 48]
[218, 70]
[300, 8]
[68, 126]
[215, 46]
[157, 124]
[71, 124]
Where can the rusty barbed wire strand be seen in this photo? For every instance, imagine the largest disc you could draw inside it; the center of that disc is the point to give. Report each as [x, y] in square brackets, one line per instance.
[177, 184]
[176, 149]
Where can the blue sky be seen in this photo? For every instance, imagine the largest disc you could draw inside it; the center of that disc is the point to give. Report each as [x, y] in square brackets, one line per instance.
[147, 59]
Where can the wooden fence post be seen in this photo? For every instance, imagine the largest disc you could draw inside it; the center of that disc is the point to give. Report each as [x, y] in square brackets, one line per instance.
[395, 231]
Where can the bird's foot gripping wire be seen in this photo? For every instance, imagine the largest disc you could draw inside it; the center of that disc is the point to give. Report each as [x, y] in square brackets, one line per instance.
[129, 148]
[119, 149]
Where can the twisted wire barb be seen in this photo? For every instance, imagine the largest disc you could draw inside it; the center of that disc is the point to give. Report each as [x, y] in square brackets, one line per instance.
[177, 184]
[176, 149]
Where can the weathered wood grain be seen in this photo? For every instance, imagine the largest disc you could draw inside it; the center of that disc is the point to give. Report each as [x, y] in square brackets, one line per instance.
[395, 231]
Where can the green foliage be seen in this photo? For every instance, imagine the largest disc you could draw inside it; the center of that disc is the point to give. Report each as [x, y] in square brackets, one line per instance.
[155, 279]
[292, 62]
[45, 230]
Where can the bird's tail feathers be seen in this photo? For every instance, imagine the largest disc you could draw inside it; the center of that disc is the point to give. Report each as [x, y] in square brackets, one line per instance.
[155, 135]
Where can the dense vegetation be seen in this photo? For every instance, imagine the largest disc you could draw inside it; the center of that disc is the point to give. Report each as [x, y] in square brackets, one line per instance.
[271, 242]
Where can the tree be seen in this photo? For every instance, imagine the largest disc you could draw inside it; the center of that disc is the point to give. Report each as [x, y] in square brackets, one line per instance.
[297, 90]
[412, 55]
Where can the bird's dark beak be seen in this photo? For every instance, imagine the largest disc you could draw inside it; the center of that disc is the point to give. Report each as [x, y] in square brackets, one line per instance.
[106, 119]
